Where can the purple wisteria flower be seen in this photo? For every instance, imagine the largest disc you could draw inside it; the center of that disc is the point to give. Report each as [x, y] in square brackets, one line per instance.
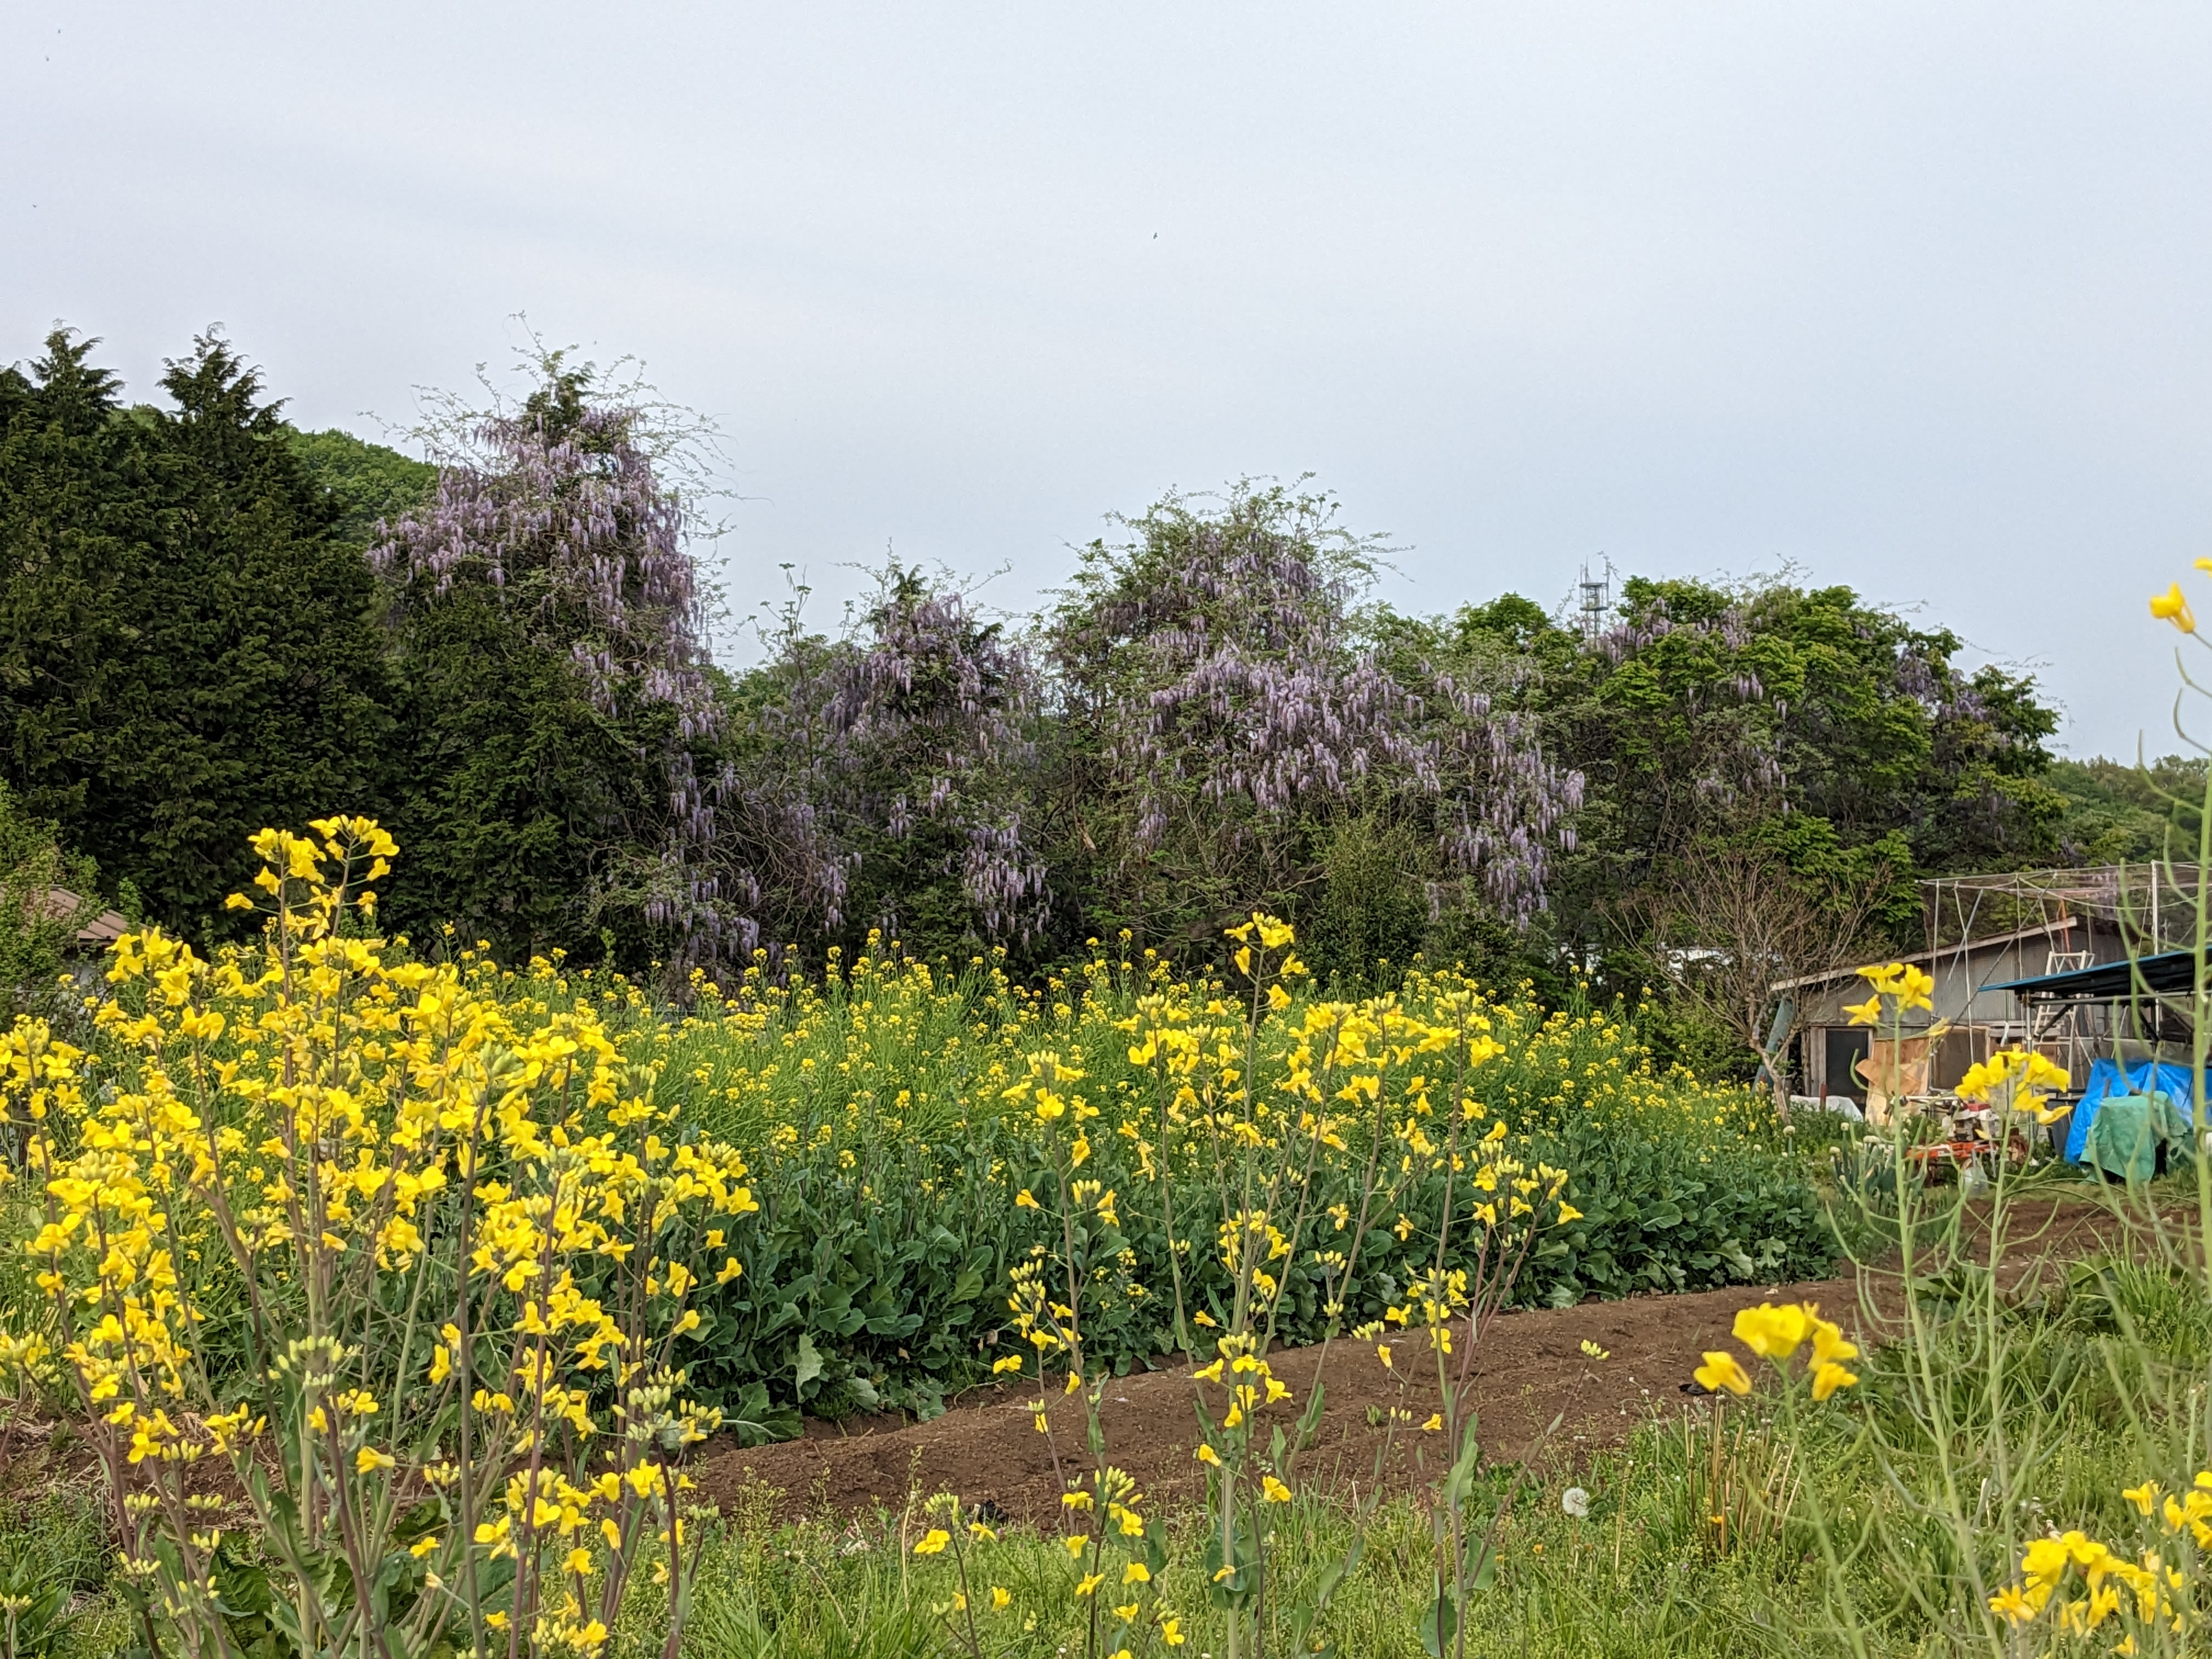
[558, 506]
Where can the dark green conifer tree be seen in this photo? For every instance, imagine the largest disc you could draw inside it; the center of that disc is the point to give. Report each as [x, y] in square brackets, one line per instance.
[186, 649]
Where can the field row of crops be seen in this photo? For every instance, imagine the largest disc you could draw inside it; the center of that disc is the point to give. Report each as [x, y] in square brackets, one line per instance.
[882, 1115]
[257, 1177]
[875, 1111]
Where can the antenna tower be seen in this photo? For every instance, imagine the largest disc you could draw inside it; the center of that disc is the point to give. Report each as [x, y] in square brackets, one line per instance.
[1597, 601]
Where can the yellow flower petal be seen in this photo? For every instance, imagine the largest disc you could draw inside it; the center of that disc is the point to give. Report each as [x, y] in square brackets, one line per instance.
[1830, 1378]
[1720, 1370]
[2171, 606]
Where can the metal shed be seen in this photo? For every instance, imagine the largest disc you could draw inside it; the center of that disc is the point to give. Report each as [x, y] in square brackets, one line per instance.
[2025, 958]
[1972, 995]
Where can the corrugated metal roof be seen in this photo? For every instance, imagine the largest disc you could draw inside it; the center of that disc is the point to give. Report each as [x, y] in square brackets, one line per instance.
[2109, 981]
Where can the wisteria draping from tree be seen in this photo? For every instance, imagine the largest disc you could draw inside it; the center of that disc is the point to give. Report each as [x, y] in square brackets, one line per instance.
[1211, 706]
[556, 506]
[895, 767]
[1217, 663]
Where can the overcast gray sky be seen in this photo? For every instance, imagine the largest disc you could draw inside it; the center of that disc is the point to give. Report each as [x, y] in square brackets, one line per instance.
[1908, 296]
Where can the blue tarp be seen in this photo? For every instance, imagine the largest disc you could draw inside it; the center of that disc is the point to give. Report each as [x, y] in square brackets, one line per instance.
[2142, 1077]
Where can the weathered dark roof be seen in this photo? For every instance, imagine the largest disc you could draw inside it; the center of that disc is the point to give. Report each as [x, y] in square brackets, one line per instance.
[2109, 981]
[106, 928]
[1964, 948]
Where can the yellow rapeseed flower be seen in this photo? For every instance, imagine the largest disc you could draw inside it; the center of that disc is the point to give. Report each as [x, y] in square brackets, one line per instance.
[1829, 1343]
[1772, 1332]
[1830, 1377]
[2012, 1604]
[1916, 988]
[2171, 606]
[1720, 1370]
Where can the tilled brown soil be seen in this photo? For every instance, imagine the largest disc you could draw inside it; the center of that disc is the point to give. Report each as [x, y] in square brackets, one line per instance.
[1528, 1369]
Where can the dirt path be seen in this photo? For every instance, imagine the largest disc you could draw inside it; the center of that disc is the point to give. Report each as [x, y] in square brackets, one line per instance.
[1530, 1368]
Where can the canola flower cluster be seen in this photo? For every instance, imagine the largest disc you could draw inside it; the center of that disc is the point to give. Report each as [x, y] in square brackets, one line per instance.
[1258, 1094]
[2151, 1593]
[446, 1223]
[886, 1046]
[391, 1188]
[2016, 1080]
[1775, 1334]
[892, 1102]
[1896, 989]
[900, 1076]
[1124, 1582]
[2012, 1079]
[464, 1252]
[1491, 1206]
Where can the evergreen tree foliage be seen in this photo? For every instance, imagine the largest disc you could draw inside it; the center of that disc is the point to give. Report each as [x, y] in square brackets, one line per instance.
[1830, 729]
[186, 648]
[2118, 813]
[211, 620]
[516, 790]
[369, 485]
